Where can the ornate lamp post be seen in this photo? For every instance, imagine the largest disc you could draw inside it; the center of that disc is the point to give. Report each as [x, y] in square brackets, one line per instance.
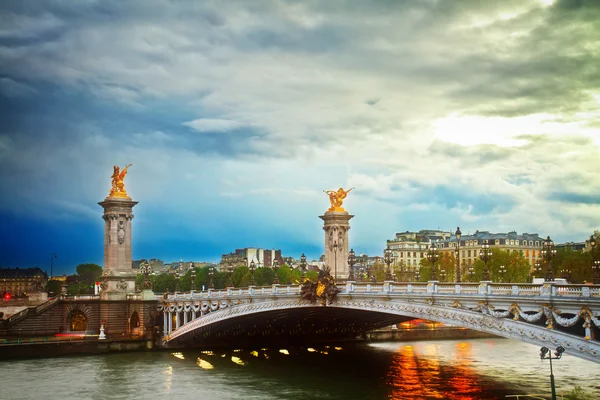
[502, 271]
[595, 260]
[230, 273]
[211, 274]
[252, 269]
[388, 259]
[351, 262]
[485, 254]
[302, 266]
[458, 233]
[146, 271]
[433, 255]
[545, 353]
[193, 276]
[275, 268]
[548, 253]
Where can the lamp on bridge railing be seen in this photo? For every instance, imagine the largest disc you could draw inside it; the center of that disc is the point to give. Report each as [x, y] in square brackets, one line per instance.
[443, 274]
[351, 262]
[502, 271]
[252, 269]
[303, 266]
[545, 353]
[595, 260]
[388, 259]
[275, 268]
[548, 253]
[433, 255]
[471, 272]
[458, 233]
[211, 274]
[230, 273]
[485, 254]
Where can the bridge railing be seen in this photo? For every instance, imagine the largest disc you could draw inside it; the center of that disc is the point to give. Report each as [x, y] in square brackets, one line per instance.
[432, 287]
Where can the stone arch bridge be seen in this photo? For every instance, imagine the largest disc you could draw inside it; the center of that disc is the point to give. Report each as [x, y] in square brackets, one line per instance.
[545, 315]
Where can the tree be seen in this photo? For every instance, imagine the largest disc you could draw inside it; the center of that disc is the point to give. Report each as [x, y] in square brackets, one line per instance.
[89, 274]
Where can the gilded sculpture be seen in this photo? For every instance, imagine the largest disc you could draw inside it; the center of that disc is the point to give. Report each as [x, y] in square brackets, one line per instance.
[336, 198]
[118, 186]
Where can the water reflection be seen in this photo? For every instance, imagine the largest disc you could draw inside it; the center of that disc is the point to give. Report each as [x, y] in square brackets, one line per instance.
[479, 369]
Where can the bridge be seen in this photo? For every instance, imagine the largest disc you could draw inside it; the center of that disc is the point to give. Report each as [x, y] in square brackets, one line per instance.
[546, 314]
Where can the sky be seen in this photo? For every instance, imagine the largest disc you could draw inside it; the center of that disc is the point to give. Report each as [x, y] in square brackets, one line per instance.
[236, 115]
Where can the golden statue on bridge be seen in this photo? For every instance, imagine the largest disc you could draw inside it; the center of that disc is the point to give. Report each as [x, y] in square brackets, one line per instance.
[118, 186]
[336, 198]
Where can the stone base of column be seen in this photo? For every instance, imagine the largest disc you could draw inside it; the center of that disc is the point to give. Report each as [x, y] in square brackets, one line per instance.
[117, 285]
[336, 226]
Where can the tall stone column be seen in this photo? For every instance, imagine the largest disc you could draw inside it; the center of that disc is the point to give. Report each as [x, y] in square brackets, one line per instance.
[336, 227]
[118, 278]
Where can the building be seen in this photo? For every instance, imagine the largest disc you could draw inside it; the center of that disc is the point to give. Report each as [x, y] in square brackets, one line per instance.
[408, 248]
[20, 282]
[528, 244]
[575, 246]
[261, 257]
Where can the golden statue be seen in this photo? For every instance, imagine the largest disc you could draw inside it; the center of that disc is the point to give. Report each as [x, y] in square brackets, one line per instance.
[336, 198]
[118, 186]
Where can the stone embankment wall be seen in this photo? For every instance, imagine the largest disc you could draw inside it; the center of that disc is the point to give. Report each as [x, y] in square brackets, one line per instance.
[66, 348]
[425, 334]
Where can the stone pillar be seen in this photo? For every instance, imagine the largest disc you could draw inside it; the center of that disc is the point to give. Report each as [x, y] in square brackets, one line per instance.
[336, 226]
[118, 278]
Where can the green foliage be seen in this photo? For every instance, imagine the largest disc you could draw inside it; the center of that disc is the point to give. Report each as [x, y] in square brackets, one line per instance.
[577, 393]
[573, 265]
[53, 288]
[163, 282]
[89, 273]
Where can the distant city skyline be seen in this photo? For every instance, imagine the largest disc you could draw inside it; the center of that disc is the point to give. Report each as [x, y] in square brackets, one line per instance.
[237, 115]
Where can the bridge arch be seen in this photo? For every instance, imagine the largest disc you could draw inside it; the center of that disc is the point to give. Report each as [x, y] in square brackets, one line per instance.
[522, 313]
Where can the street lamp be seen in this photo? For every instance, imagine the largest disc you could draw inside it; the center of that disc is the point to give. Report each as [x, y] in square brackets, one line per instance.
[485, 254]
[52, 257]
[443, 273]
[595, 262]
[388, 259]
[433, 255]
[177, 281]
[335, 250]
[252, 269]
[417, 275]
[502, 270]
[275, 268]
[537, 267]
[302, 266]
[548, 253]
[351, 262]
[458, 233]
[211, 273]
[545, 353]
[471, 272]
[193, 277]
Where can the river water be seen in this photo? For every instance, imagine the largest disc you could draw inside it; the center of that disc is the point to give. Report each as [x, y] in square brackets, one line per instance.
[449, 369]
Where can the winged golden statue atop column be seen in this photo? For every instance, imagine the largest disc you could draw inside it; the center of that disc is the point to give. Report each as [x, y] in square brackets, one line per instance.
[336, 198]
[118, 186]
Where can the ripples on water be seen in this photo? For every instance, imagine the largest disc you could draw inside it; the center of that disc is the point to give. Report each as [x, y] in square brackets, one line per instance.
[476, 369]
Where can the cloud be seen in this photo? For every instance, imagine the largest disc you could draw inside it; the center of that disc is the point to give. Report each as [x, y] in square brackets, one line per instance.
[213, 125]
[479, 114]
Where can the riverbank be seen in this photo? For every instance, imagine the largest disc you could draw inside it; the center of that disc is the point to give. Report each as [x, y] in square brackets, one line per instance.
[43, 347]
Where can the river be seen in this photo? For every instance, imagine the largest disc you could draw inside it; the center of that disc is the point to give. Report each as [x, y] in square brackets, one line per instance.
[449, 369]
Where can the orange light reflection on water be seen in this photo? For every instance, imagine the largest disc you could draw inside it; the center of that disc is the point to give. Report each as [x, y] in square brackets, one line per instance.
[418, 376]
